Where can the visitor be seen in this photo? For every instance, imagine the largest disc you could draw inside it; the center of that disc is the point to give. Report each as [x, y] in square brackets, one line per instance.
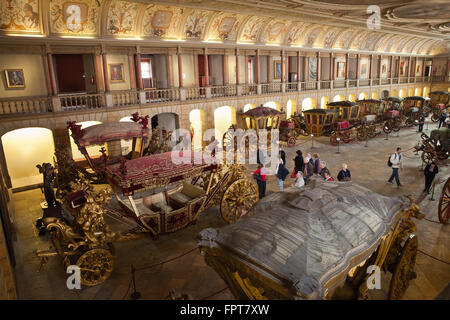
[431, 170]
[299, 162]
[282, 154]
[395, 161]
[324, 169]
[327, 176]
[317, 168]
[281, 173]
[442, 118]
[344, 174]
[421, 123]
[308, 170]
[299, 181]
[260, 176]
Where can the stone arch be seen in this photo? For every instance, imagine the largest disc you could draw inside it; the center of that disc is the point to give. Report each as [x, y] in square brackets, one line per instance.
[25, 148]
[273, 105]
[374, 95]
[363, 95]
[394, 93]
[402, 93]
[338, 97]
[197, 127]
[308, 103]
[418, 91]
[352, 97]
[224, 117]
[410, 92]
[426, 91]
[323, 102]
[291, 108]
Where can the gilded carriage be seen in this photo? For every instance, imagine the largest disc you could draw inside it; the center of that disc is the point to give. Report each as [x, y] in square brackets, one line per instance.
[288, 134]
[324, 241]
[444, 203]
[299, 124]
[414, 108]
[372, 113]
[347, 118]
[319, 121]
[435, 147]
[439, 101]
[257, 119]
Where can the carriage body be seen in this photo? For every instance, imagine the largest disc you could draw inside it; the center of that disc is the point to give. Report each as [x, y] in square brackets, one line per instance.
[288, 134]
[292, 246]
[435, 147]
[346, 111]
[414, 108]
[319, 121]
[439, 101]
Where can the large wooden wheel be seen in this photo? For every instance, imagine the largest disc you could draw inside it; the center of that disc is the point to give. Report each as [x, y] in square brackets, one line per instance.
[388, 127]
[361, 133]
[372, 131]
[403, 270]
[291, 142]
[396, 126]
[444, 203]
[96, 266]
[238, 199]
[429, 156]
[435, 117]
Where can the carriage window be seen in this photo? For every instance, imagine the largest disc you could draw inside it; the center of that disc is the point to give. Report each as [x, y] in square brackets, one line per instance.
[354, 112]
[345, 113]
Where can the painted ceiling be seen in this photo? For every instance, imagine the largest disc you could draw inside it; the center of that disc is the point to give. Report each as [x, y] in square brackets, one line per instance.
[406, 26]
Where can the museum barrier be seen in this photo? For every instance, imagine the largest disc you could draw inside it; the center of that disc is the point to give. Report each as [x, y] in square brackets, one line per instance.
[25, 105]
[73, 102]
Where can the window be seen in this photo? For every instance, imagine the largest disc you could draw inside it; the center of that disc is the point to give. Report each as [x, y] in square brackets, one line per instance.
[146, 73]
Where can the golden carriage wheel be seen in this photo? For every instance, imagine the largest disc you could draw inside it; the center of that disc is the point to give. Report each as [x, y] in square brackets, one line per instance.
[387, 127]
[444, 204]
[238, 199]
[397, 126]
[428, 157]
[291, 142]
[435, 117]
[96, 266]
[361, 133]
[333, 139]
[403, 270]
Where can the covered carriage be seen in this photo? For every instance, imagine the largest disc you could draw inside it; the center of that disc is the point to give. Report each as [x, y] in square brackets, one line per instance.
[347, 118]
[323, 241]
[414, 108]
[393, 115]
[439, 101]
[435, 147]
[372, 113]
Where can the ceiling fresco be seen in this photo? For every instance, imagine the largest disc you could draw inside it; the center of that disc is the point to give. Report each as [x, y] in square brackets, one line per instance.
[206, 20]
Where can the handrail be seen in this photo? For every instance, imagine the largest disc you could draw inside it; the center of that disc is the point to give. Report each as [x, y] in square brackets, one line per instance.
[72, 102]
[25, 105]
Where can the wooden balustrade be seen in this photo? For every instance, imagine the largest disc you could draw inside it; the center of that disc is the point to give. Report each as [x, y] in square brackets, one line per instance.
[223, 91]
[162, 95]
[125, 98]
[249, 89]
[74, 102]
[25, 105]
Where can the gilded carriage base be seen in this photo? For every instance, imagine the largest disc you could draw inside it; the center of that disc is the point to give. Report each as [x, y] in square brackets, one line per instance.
[316, 243]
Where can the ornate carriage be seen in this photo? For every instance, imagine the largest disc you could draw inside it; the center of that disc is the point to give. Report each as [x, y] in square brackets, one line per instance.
[322, 242]
[435, 147]
[444, 203]
[319, 121]
[347, 118]
[439, 101]
[299, 124]
[393, 115]
[372, 114]
[414, 108]
[288, 134]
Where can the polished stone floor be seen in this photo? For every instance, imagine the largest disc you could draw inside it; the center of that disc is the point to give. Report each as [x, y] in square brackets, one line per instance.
[189, 274]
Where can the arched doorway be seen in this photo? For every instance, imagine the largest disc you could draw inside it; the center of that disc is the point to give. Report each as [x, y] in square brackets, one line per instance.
[418, 92]
[352, 97]
[410, 92]
[247, 107]
[166, 121]
[374, 95]
[394, 93]
[24, 149]
[197, 127]
[402, 93]
[338, 97]
[273, 105]
[224, 117]
[308, 103]
[385, 93]
[323, 102]
[93, 151]
[363, 95]
[426, 91]
[291, 108]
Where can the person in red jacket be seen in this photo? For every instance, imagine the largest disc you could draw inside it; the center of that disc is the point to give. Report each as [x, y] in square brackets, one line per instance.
[260, 176]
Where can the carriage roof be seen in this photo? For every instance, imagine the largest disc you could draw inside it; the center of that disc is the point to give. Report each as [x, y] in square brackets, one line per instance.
[310, 239]
[417, 98]
[440, 92]
[100, 133]
[261, 112]
[394, 99]
[370, 101]
[320, 111]
[342, 104]
[157, 170]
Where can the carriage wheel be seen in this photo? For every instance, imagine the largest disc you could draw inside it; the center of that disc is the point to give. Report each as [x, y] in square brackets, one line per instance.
[361, 134]
[96, 266]
[238, 199]
[442, 155]
[229, 140]
[372, 131]
[333, 139]
[291, 142]
[403, 270]
[428, 157]
[397, 126]
[346, 137]
[409, 122]
[435, 117]
[387, 128]
[444, 204]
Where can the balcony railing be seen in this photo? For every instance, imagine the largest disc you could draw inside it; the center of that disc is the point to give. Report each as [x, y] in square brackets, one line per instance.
[162, 95]
[26, 105]
[74, 102]
[438, 78]
[249, 89]
[223, 91]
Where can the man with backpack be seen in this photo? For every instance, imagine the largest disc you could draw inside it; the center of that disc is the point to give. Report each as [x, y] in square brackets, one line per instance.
[395, 162]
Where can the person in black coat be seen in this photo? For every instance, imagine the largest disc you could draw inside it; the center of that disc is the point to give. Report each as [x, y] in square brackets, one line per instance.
[344, 174]
[299, 163]
[430, 172]
[282, 155]
[281, 173]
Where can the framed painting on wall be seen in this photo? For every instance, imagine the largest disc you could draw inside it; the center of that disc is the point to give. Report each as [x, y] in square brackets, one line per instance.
[402, 68]
[312, 68]
[363, 70]
[116, 72]
[277, 69]
[341, 70]
[14, 78]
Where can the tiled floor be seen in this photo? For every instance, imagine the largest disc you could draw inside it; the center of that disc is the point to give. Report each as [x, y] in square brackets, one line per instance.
[190, 274]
